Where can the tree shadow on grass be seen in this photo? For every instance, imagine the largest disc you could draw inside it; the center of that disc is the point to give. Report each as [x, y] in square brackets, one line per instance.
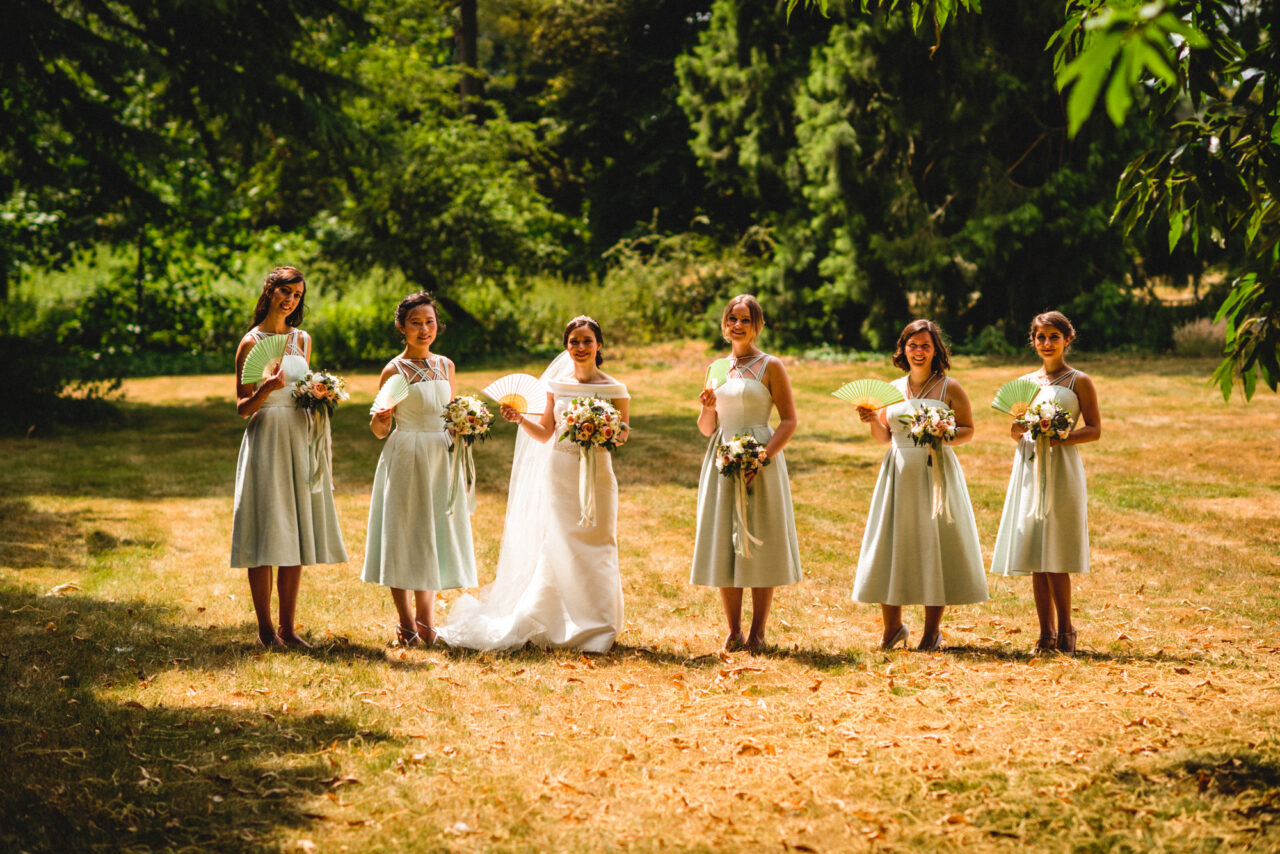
[1005, 654]
[84, 772]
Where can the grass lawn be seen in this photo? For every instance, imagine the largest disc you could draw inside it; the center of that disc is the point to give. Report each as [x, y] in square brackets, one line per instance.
[138, 717]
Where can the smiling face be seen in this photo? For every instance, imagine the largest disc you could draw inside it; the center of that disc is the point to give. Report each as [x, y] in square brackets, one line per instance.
[738, 327]
[420, 327]
[920, 351]
[582, 345]
[1050, 342]
[286, 297]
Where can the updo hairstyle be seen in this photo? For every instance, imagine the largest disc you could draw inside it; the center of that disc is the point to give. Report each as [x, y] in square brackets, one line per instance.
[753, 309]
[580, 321]
[418, 300]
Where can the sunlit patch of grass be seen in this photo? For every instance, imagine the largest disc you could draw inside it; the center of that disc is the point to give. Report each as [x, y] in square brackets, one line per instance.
[141, 718]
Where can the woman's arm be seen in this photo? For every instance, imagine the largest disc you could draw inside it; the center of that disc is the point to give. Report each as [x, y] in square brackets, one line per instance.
[248, 399]
[779, 385]
[1091, 429]
[380, 423]
[707, 418]
[878, 421]
[623, 405]
[959, 403]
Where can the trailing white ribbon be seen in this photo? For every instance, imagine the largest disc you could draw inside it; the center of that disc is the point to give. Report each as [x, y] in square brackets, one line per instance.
[743, 540]
[320, 448]
[587, 487]
[462, 467]
[1043, 477]
[941, 496]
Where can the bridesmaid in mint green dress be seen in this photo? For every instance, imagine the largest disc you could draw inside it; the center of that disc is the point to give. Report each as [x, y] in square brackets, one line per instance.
[921, 542]
[414, 544]
[766, 554]
[1044, 529]
[279, 520]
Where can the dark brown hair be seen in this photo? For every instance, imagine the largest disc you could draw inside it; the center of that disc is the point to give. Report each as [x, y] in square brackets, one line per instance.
[277, 277]
[1057, 320]
[753, 309]
[941, 355]
[418, 300]
[580, 321]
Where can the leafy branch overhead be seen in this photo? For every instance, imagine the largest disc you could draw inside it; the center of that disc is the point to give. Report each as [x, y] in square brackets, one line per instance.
[1208, 70]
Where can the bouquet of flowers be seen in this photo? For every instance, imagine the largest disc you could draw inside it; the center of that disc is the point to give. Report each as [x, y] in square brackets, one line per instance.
[933, 426]
[1045, 421]
[930, 425]
[320, 390]
[591, 423]
[742, 454]
[468, 418]
[318, 394]
[469, 421]
[1046, 418]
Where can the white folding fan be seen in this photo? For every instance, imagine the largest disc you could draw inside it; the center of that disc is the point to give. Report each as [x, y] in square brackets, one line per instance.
[522, 392]
[1015, 396]
[871, 394]
[264, 359]
[392, 392]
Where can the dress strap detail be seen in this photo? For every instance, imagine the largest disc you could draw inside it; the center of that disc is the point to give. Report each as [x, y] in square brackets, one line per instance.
[752, 367]
[430, 369]
[924, 392]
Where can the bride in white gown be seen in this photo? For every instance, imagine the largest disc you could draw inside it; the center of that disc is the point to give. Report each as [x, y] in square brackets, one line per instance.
[557, 583]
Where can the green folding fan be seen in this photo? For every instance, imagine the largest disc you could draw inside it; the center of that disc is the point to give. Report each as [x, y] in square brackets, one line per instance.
[871, 394]
[717, 373]
[392, 392]
[1015, 396]
[264, 359]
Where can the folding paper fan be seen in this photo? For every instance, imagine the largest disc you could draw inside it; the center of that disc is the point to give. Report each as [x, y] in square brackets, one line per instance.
[1015, 396]
[872, 394]
[264, 359]
[392, 392]
[522, 392]
[717, 373]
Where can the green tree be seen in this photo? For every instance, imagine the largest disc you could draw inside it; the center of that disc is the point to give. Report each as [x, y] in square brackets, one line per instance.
[1208, 70]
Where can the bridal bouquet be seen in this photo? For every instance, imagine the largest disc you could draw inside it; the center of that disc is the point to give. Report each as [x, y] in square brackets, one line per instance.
[1046, 418]
[320, 390]
[742, 454]
[933, 426]
[1045, 421]
[318, 394]
[930, 425]
[468, 418]
[591, 423]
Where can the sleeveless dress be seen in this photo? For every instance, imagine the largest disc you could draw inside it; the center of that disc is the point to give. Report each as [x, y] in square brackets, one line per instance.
[278, 520]
[565, 590]
[1060, 541]
[413, 543]
[743, 404]
[909, 556]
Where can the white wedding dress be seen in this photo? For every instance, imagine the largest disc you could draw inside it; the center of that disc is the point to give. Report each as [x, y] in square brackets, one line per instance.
[557, 583]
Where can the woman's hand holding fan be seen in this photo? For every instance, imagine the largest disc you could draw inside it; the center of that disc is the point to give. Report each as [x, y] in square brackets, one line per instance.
[522, 393]
[869, 396]
[264, 360]
[1015, 396]
[394, 390]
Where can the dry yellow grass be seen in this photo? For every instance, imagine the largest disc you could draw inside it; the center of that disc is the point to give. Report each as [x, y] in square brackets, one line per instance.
[139, 718]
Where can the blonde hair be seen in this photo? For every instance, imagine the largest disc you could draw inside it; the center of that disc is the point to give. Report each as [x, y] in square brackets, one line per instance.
[753, 309]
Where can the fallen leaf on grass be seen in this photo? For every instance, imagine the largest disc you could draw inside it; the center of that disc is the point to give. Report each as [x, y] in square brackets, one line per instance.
[307, 846]
[64, 589]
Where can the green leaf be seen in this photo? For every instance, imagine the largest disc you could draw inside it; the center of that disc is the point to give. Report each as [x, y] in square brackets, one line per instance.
[1177, 218]
[1088, 71]
[1119, 94]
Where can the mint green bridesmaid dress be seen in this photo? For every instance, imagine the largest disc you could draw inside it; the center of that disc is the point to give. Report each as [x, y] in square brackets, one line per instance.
[413, 542]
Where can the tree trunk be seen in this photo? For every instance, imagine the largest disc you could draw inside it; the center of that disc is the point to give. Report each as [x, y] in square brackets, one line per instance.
[139, 285]
[471, 88]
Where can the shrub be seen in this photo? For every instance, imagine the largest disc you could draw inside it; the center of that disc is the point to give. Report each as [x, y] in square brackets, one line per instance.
[1200, 337]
